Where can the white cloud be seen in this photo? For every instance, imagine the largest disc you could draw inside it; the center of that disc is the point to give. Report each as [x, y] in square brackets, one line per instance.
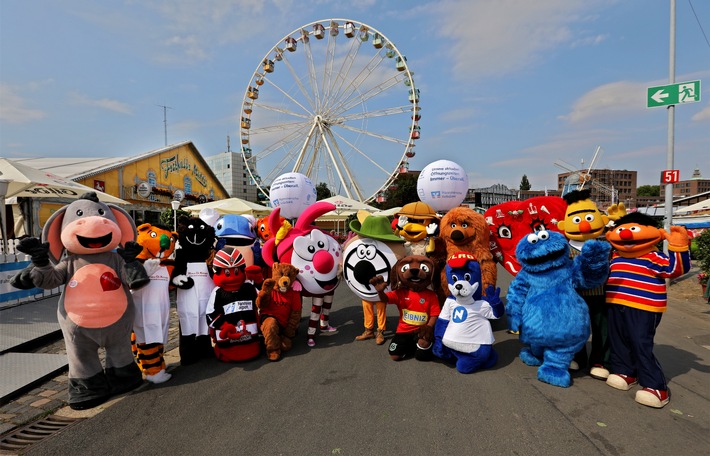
[103, 103]
[13, 107]
[505, 36]
[613, 99]
[590, 41]
[703, 115]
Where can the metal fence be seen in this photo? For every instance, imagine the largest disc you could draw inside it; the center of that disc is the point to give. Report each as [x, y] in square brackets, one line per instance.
[11, 262]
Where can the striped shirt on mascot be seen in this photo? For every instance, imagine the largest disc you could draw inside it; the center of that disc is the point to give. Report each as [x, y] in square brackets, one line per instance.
[636, 295]
[316, 255]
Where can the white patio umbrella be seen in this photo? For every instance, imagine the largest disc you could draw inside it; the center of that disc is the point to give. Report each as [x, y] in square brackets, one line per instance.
[18, 180]
[28, 182]
[232, 206]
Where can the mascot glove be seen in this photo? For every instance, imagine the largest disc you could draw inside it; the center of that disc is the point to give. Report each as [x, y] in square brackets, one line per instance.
[38, 251]
[268, 285]
[182, 281]
[401, 221]
[254, 274]
[130, 252]
[228, 331]
[493, 295]
[616, 211]
[151, 266]
[426, 332]
[379, 283]
[678, 240]
[431, 229]
[596, 250]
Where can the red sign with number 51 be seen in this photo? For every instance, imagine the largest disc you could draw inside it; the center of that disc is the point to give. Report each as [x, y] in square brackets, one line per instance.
[670, 176]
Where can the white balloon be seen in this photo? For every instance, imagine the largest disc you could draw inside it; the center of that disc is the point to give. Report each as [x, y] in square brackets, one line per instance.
[443, 185]
[293, 193]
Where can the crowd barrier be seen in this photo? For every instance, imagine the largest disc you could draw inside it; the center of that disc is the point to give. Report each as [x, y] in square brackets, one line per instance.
[12, 262]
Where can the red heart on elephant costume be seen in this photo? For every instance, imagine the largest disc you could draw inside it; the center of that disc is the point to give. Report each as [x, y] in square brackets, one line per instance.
[509, 222]
[109, 281]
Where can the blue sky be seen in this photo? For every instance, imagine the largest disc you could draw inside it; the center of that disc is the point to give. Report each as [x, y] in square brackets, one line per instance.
[508, 87]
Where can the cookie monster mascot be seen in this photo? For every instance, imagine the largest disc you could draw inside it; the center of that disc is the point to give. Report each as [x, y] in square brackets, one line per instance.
[543, 303]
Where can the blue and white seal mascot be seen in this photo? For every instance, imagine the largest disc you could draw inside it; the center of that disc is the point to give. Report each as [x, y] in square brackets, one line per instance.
[463, 334]
[543, 304]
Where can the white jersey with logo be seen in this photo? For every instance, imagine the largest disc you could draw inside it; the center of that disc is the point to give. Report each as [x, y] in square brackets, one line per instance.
[468, 326]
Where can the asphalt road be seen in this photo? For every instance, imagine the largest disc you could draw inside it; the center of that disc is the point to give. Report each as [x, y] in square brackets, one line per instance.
[348, 398]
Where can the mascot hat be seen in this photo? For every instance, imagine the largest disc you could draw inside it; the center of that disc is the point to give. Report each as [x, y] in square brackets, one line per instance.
[375, 227]
[228, 257]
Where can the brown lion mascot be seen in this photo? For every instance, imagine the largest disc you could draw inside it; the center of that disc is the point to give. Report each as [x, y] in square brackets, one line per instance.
[464, 230]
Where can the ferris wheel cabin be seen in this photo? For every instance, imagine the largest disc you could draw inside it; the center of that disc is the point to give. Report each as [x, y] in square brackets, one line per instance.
[349, 29]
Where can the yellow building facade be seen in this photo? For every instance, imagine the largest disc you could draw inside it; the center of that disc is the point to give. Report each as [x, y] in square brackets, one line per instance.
[149, 182]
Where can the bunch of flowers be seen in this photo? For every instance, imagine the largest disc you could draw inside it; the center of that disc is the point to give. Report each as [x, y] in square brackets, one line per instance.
[703, 278]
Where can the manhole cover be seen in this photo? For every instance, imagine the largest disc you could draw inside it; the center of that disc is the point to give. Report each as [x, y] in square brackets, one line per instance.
[22, 438]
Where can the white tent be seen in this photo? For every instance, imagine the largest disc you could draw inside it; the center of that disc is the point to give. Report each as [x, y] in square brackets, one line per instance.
[388, 212]
[701, 207]
[232, 206]
[344, 208]
[345, 204]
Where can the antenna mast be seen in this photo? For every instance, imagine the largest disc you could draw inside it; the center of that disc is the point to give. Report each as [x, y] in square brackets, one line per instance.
[165, 121]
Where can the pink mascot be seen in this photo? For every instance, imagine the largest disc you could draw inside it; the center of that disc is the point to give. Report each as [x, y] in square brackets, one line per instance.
[315, 254]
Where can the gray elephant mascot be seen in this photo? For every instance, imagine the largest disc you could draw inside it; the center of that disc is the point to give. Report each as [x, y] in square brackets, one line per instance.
[78, 250]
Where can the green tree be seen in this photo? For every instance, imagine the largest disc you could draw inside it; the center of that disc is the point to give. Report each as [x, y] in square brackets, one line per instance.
[166, 217]
[649, 190]
[322, 191]
[525, 183]
[702, 251]
[402, 191]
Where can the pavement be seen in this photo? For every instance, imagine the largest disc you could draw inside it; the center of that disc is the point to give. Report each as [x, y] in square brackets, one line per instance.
[34, 367]
[33, 357]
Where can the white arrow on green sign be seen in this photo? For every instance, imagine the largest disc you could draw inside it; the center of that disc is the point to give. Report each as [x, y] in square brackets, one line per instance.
[672, 94]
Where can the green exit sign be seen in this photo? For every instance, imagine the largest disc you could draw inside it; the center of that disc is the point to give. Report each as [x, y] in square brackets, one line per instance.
[672, 94]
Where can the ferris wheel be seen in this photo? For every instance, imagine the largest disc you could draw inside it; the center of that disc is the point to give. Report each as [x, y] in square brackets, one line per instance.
[333, 100]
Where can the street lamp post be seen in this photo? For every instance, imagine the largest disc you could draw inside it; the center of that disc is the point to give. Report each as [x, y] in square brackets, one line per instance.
[176, 206]
[4, 184]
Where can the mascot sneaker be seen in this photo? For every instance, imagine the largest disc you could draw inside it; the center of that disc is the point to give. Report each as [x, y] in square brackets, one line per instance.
[599, 372]
[621, 382]
[160, 377]
[653, 398]
[328, 329]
